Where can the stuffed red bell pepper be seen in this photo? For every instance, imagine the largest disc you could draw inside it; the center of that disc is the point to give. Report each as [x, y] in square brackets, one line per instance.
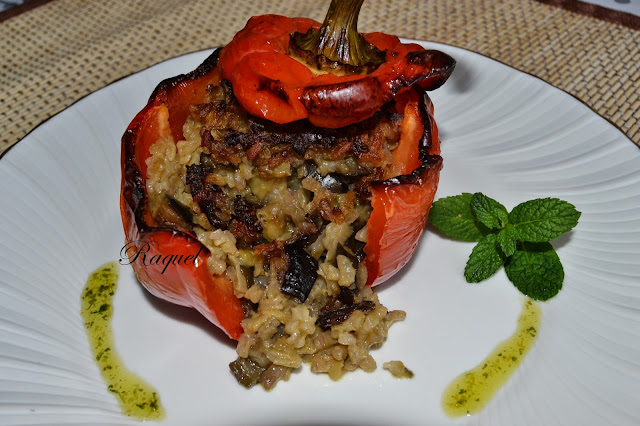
[275, 184]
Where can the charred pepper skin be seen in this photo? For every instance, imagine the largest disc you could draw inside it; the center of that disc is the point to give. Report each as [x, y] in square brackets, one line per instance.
[400, 202]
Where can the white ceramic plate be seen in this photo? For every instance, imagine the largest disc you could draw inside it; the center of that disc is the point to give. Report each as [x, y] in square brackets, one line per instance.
[504, 133]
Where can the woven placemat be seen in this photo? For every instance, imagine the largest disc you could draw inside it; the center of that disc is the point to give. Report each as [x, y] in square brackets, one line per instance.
[63, 50]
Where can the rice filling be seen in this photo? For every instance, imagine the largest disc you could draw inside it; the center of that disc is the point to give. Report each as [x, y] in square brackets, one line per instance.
[283, 210]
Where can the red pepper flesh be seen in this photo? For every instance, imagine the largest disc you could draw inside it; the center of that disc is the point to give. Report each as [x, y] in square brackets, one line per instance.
[188, 283]
[401, 204]
[269, 83]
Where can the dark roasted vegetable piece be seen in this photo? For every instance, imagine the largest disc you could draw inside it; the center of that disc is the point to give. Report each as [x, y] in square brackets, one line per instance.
[246, 372]
[333, 183]
[211, 199]
[273, 374]
[183, 211]
[302, 273]
[344, 299]
[340, 315]
[353, 249]
[245, 225]
[347, 296]
[170, 214]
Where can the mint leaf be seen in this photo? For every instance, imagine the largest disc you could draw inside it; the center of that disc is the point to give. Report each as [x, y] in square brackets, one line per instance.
[488, 211]
[507, 240]
[536, 271]
[543, 219]
[452, 216]
[485, 259]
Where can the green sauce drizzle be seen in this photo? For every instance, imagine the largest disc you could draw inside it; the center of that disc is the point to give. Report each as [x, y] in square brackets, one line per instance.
[471, 391]
[137, 398]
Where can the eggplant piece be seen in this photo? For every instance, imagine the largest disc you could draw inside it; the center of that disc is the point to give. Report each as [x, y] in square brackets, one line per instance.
[301, 274]
[246, 372]
[182, 210]
[310, 169]
[333, 183]
[273, 374]
[346, 298]
[245, 225]
[174, 215]
[211, 199]
[249, 307]
[353, 249]
[207, 162]
[340, 315]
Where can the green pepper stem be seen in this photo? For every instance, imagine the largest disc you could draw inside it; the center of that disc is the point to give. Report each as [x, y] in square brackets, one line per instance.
[337, 45]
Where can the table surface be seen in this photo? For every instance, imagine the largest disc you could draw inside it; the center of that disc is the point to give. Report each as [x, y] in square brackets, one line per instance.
[56, 52]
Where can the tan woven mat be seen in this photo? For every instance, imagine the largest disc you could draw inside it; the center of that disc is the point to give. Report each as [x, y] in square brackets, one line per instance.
[62, 50]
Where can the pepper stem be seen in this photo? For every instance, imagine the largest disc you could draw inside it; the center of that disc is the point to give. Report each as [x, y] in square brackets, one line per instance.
[337, 45]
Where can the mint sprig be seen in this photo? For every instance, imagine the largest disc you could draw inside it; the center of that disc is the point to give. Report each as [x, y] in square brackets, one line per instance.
[453, 217]
[519, 239]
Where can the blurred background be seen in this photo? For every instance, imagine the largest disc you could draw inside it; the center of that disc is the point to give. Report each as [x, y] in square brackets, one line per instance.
[630, 6]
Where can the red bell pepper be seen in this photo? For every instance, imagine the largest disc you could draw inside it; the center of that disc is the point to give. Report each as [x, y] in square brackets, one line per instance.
[401, 204]
[187, 283]
[270, 84]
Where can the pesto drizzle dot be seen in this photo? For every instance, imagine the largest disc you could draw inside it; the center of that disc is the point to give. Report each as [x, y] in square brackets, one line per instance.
[136, 398]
